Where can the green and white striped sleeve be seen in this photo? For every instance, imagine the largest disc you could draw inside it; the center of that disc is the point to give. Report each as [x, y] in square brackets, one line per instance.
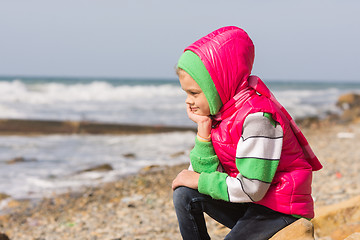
[257, 157]
[203, 157]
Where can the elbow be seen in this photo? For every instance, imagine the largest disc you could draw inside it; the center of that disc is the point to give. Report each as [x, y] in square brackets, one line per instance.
[258, 196]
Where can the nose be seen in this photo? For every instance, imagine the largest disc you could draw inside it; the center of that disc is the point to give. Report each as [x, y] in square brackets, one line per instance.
[189, 100]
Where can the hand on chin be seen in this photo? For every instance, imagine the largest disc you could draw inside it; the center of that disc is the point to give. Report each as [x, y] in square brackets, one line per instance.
[195, 115]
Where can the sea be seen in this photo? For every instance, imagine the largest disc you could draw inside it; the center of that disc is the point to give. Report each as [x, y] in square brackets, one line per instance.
[54, 163]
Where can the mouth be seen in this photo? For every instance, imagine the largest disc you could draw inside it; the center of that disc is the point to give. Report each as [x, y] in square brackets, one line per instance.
[194, 109]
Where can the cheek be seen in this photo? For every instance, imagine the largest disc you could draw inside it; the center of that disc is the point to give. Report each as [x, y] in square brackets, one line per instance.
[204, 106]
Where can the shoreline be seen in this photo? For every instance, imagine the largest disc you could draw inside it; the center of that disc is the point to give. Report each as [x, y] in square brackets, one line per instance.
[139, 206]
[29, 127]
[46, 127]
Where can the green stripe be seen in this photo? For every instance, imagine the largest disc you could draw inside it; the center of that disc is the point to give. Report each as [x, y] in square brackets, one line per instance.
[298, 216]
[214, 184]
[269, 116]
[259, 169]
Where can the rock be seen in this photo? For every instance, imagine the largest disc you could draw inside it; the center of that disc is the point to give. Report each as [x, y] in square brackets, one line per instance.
[345, 230]
[19, 160]
[308, 122]
[3, 236]
[354, 236]
[177, 154]
[301, 229]
[221, 230]
[102, 167]
[129, 155]
[3, 196]
[17, 203]
[348, 101]
[350, 104]
[149, 168]
[330, 219]
[350, 115]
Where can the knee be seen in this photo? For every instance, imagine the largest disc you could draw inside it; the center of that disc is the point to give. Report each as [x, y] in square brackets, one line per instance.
[182, 196]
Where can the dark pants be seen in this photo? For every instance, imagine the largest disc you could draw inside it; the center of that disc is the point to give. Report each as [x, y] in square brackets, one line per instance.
[246, 220]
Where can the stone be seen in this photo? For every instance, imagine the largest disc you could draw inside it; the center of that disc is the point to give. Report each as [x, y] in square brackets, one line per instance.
[3, 236]
[350, 104]
[149, 168]
[177, 154]
[3, 196]
[329, 219]
[354, 236]
[301, 229]
[308, 122]
[345, 230]
[19, 160]
[101, 167]
[348, 101]
[350, 115]
[129, 155]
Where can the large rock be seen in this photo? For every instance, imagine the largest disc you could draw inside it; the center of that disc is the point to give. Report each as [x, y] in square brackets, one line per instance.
[350, 104]
[345, 231]
[3, 236]
[338, 220]
[301, 229]
[354, 236]
[348, 101]
[351, 115]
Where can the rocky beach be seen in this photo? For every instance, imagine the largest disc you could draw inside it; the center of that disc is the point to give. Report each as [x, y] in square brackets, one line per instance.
[140, 206]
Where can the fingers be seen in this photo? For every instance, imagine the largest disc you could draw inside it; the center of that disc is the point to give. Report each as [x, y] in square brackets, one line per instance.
[177, 182]
[189, 112]
[186, 178]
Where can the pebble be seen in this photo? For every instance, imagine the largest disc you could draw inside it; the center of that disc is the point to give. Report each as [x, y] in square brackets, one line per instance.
[140, 206]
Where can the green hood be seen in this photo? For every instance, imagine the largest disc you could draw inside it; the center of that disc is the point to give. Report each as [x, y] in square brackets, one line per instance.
[192, 64]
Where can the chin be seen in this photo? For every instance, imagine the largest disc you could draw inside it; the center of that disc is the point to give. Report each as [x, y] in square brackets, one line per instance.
[201, 113]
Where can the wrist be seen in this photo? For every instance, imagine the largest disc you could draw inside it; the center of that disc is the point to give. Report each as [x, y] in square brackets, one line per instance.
[203, 139]
[204, 128]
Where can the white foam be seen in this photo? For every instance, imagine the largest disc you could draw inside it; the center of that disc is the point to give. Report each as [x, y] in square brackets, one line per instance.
[305, 103]
[97, 101]
[59, 159]
[140, 104]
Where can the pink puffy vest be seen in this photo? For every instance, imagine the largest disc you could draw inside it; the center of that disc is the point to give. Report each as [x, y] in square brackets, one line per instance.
[290, 190]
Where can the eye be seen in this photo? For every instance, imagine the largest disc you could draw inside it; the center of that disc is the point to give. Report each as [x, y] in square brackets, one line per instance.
[193, 93]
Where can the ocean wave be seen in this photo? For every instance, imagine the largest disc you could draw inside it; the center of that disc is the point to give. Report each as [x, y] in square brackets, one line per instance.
[48, 93]
[137, 103]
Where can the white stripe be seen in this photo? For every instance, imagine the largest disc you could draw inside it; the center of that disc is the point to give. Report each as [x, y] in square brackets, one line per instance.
[236, 194]
[259, 148]
[241, 189]
[190, 167]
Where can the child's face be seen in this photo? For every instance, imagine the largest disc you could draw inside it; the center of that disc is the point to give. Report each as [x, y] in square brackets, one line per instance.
[195, 97]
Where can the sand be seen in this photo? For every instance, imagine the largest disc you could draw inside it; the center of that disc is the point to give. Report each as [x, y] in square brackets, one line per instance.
[140, 206]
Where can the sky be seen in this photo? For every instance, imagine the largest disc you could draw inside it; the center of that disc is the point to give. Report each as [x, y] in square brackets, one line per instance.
[294, 40]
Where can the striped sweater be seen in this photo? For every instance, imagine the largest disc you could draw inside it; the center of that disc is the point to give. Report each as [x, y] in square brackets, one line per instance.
[257, 157]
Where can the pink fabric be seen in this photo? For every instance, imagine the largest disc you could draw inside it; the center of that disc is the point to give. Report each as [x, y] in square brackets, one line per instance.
[290, 190]
[256, 83]
[228, 72]
[228, 55]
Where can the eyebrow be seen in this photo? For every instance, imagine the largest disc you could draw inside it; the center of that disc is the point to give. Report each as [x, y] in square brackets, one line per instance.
[192, 90]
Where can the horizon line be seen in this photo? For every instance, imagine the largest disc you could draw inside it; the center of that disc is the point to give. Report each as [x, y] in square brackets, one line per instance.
[58, 77]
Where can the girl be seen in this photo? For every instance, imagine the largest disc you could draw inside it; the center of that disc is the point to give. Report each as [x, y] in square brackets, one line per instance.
[251, 167]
